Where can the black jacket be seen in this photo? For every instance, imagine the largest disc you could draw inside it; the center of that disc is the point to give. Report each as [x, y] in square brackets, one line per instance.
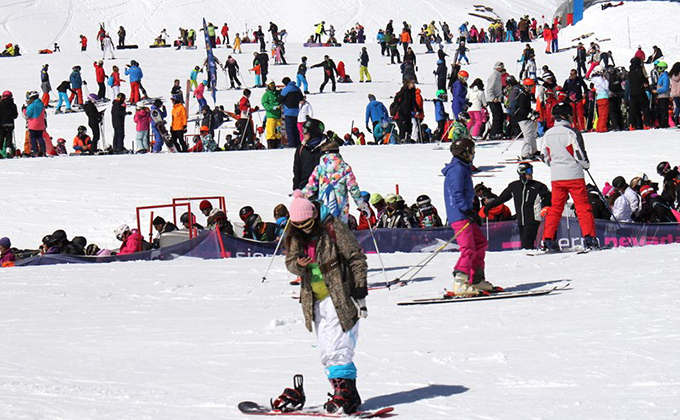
[263, 60]
[8, 112]
[232, 66]
[328, 67]
[522, 106]
[406, 102]
[577, 86]
[529, 199]
[118, 114]
[94, 117]
[636, 78]
[306, 159]
[302, 69]
[656, 210]
[600, 207]
[64, 87]
[363, 59]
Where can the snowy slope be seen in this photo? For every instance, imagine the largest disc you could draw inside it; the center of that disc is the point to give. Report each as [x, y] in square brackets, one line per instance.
[189, 339]
[36, 24]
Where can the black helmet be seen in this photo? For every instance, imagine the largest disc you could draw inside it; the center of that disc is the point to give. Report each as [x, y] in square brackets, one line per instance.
[253, 220]
[423, 200]
[313, 127]
[510, 80]
[184, 218]
[619, 183]
[562, 111]
[464, 149]
[663, 168]
[82, 129]
[245, 212]
[58, 236]
[81, 241]
[134, 63]
[525, 168]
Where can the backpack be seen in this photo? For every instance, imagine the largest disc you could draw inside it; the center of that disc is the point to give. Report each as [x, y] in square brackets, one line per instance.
[394, 107]
[110, 81]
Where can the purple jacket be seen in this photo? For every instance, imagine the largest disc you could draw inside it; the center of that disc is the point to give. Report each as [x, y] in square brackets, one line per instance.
[6, 256]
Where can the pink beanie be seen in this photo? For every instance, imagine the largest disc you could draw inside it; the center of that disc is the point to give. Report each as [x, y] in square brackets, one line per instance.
[300, 208]
[607, 189]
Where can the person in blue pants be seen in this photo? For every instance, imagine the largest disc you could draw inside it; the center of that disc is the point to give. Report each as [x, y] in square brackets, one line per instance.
[302, 75]
[158, 106]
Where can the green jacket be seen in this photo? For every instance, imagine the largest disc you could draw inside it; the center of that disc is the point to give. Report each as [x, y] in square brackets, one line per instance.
[271, 102]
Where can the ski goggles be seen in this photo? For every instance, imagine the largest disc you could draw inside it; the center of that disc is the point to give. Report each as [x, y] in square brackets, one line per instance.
[305, 224]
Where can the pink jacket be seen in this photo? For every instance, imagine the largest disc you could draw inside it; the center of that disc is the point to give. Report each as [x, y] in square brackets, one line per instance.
[132, 243]
[143, 119]
[198, 91]
[675, 86]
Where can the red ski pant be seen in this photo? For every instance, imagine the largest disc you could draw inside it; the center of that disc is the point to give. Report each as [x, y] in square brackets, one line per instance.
[134, 92]
[76, 93]
[46, 98]
[602, 115]
[579, 119]
[560, 192]
[472, 246]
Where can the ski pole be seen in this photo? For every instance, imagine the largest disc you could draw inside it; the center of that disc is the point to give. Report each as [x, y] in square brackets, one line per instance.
[264, 278]
[511, 143]
[375, 243]
[429, 258]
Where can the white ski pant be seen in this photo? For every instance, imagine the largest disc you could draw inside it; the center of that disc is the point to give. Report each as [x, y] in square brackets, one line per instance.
[528, 128]
[336, 347]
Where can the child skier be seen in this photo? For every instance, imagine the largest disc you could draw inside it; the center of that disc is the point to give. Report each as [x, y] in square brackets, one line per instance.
[81, 142]
[143, 119]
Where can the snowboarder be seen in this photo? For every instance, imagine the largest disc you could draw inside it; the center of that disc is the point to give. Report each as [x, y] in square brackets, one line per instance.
[332, 299]
[121, 36]
[563, 150]
[468, 275]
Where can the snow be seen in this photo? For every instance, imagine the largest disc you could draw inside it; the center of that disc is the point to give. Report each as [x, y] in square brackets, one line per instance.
[190, 339]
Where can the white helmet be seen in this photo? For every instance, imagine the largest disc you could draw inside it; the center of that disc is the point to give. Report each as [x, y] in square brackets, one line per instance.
[120, 231]
[140, 105]
[598, 69]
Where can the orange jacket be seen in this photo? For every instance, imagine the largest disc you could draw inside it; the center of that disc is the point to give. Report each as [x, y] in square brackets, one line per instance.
[498, 213]
[405, 37]
[420, 111]
[179, 117]
[82, 145]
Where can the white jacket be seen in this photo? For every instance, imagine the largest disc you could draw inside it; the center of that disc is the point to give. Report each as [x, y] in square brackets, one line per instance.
[305, 110]
[564, 151]
[601, 86]
[633, 199]
[477, 99]
[622, 212]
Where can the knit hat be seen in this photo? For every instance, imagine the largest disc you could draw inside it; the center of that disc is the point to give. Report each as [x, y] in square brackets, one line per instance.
[205, 204]
[645, 190]
[300, 208]
[5, 243]
[607, 189]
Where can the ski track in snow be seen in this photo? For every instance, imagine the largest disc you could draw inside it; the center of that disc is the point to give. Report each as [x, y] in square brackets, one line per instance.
[190, 339]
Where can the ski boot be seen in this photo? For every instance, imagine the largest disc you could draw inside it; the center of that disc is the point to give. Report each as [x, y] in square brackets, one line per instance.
[461, 286]
[292, 399]
[345, 397]
[591, 242]
[549, 245]
[479, 282]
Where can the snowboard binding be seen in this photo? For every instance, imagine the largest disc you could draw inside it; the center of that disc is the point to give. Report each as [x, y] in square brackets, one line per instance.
[292, 399]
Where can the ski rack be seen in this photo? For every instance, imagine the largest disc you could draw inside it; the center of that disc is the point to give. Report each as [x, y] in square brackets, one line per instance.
[174, 214]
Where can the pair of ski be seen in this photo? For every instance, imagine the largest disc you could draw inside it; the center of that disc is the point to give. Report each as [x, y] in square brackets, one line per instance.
[253, 408]
[576, 250]
[492, 296]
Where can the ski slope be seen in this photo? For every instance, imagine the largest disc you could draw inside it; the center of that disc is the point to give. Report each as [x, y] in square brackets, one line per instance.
[189, 339]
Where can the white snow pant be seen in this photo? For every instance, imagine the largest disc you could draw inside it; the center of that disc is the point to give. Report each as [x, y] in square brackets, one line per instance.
[336, 347]
[116, 91]
[528, 128]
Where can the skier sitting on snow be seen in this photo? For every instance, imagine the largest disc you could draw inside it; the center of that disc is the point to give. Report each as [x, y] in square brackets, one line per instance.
[427, 215]
[384, 132]
[261, 231]
[81, 142]
[132, 240]
[395, 215]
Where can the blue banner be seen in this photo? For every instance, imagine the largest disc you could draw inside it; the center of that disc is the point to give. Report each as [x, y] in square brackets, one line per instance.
[212, 67]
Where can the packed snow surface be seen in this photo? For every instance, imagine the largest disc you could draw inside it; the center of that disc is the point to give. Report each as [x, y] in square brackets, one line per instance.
[189, 339]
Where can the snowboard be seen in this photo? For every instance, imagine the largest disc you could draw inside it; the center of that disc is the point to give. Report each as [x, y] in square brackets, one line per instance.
[127, 47]
[160, 125]
[495, 296]
[253, 408]
[317, 44]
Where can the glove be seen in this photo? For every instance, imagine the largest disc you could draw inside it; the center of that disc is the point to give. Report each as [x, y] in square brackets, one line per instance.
[363, 207]
[362, 310]
[486, 209]
[368, 128]
[544, 211]
[474, 217]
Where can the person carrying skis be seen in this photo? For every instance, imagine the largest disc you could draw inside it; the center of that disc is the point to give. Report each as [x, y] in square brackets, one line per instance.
[45, 85]
[94, 119]
[324, 253]
[532, 200]
[333, 181]
[232, 69]
[8, 113]
[468, 275]
[330, 72]
[563, 150]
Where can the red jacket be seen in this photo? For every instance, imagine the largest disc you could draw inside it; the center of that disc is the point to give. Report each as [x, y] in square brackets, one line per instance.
[99, 72]
[244, 107]
[83, 41]
[116, 78]
[225, 30]
[363, 222]
[131, 244]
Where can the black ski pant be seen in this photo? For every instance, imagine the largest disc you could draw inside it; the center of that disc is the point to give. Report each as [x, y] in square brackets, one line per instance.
[262, 46]
[405, 127]
[94, 126]
[233, 78]
[177, 140]
[383, 48]
[638, 111]
[394, 52]
[527, 234]
[662, 112]
[118, 138]
[121, 41]
[247, 135]
[6, 138]
[581, 68]
[615, 115]
[405, 45]
[327, 77]
[101, 93]
[496, 118]
[292, 132]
